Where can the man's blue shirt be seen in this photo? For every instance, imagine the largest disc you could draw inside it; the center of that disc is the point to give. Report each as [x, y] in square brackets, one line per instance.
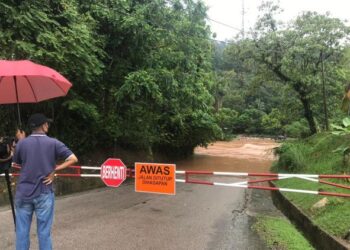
[37, 154]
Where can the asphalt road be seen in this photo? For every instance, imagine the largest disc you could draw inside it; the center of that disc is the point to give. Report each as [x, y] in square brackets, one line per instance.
[197, 217]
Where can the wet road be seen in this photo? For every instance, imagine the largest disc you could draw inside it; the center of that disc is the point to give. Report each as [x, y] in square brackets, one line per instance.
[198, 217]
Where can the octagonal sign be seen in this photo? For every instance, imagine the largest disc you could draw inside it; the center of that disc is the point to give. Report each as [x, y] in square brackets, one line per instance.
[113, 172]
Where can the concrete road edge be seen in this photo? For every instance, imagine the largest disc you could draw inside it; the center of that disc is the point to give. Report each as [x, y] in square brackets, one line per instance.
[317, 237]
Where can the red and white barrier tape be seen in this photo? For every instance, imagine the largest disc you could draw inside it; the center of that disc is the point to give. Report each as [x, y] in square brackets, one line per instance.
[241, 184]
[273, 177]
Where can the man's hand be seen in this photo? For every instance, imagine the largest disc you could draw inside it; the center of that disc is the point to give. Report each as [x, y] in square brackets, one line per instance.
[69, 161]
[49, 179]
[20, 134]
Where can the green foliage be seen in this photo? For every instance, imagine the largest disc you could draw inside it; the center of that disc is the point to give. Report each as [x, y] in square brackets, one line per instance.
[139, 98]
[297, 129]
[272, 122]
[250, 121]
[292, 157]
[279, 233]
[53, 33]
[83, 110]
[56, 34]
[226, 119]
[344, 129]
[142, 72]
[296, 59]
[316, 153]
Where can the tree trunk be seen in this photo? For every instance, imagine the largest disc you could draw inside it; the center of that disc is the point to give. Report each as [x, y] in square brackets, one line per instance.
[150, 156]
[218, 103]
[299, 87]
[308, 114]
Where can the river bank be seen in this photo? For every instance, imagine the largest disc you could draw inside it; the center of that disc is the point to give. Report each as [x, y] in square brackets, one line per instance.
[318, 154]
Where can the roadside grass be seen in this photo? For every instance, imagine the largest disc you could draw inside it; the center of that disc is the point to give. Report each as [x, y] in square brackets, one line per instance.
[316, 155]
[279, 233]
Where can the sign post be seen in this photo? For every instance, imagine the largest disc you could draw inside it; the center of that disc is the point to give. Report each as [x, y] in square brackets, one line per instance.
[113, 172]
[155, 178]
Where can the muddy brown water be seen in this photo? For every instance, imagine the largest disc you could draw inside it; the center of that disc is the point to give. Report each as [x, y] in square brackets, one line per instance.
[243, 154]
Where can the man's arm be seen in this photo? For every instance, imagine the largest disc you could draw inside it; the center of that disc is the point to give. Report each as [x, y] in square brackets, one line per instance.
[72, 159]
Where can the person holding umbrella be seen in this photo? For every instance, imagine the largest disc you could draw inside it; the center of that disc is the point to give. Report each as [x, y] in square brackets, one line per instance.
[37, 155]
[24, 81]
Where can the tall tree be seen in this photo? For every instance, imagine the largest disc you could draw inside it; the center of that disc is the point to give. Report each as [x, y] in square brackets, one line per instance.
[175, 77]
[293, 54]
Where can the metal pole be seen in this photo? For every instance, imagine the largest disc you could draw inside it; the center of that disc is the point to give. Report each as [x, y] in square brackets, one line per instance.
[243, 13]
[8, 182]
[19, 116]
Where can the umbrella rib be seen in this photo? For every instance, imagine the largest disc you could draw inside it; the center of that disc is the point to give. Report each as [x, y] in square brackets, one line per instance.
[31, 87]
[64, 93]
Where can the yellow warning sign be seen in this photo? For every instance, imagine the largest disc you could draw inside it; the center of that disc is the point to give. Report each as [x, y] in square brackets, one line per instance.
[155, 178]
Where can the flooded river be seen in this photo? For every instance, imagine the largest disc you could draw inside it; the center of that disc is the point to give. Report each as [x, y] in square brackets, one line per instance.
[243, 154]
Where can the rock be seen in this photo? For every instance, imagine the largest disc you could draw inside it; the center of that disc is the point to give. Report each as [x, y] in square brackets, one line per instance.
[320, 204]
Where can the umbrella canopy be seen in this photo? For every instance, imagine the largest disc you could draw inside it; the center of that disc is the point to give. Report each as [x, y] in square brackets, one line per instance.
[27, 82]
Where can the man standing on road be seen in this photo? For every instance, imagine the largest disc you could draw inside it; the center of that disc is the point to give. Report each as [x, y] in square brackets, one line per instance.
[37, 155]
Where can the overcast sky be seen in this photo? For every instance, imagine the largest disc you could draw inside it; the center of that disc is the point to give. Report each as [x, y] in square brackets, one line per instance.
[230, 12]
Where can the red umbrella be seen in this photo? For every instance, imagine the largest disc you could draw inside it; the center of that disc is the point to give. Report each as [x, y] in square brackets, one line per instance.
[28, 82]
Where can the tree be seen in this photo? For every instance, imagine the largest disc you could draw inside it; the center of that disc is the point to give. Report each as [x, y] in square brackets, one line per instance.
[141, 69]
[56, 34]
[293, 54]
[158, 76]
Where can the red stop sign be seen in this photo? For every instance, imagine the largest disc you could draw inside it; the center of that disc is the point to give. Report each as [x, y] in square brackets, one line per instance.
[113, 172]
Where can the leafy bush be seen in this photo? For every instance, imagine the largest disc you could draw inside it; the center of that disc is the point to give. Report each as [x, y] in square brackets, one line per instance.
[271, 122]
[226, 118]
[297, 129]
[250, 121]
[343, 129]
[292, 157]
